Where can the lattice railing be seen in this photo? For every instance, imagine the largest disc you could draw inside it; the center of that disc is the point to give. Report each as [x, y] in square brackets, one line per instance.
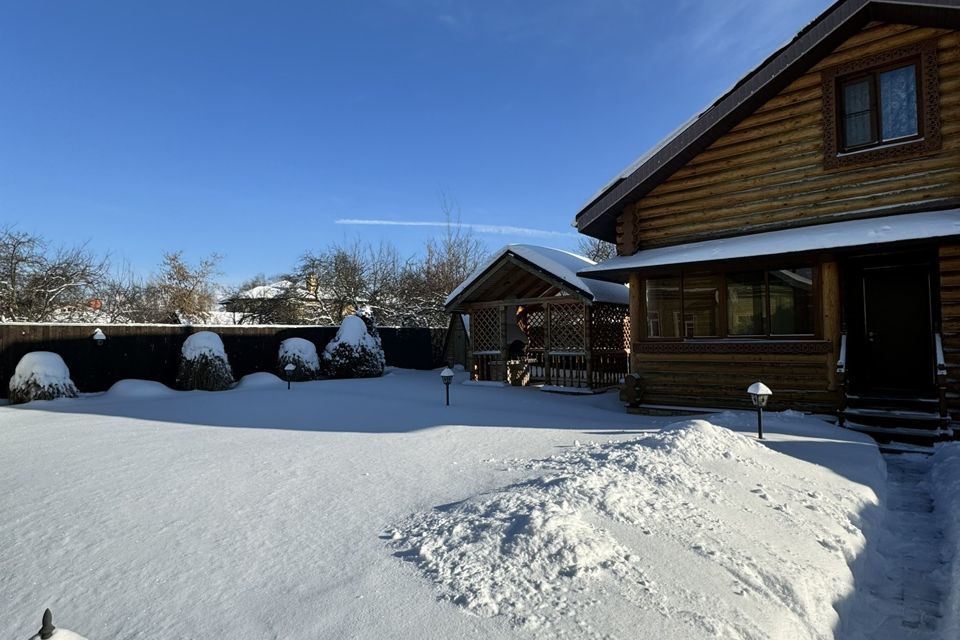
[609, 327]
[534, 325]
[567, 328]
[486, 329]
[486, 343]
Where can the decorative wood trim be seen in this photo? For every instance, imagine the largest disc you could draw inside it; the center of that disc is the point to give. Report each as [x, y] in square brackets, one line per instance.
[928, 112]
[803, 347]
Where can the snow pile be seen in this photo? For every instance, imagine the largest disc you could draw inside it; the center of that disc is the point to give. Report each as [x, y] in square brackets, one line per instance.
[41, 375]
[204, 364]
[260, 380]
[354, 353]
[302, 354]
[946, 499]
[139, 389]
[698, 529]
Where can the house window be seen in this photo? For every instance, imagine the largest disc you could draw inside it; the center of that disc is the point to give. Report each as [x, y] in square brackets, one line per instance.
[701, 305]
[883, 106]
[772, 303]
[663, 308]
[879, 107]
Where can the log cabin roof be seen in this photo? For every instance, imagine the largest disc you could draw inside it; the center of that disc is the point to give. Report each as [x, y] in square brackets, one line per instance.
[527, 271]
[834, 235]
[842, 20]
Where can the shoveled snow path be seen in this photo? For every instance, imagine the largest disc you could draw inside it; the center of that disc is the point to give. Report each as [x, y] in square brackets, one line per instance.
[904, 601]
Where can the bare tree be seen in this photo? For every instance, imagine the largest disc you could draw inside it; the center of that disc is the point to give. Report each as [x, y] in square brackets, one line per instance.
[334, 280]
[595, 249]
[126, 297]
[40, 284]
[187, 293]
[447, 262]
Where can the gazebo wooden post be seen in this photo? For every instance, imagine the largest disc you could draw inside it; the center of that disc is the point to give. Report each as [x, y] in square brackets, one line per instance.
[587, 350]
[472, 369]
[546, 343]
[504, 348]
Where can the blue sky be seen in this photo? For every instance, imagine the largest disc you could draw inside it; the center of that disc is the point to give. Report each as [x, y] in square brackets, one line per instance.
[251, 128]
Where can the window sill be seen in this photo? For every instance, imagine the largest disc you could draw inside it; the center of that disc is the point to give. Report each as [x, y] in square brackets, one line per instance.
[736, 345]
[896, 150]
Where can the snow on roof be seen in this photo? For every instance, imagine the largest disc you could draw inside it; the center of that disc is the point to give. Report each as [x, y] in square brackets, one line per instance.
[562, 265]
[834, 235]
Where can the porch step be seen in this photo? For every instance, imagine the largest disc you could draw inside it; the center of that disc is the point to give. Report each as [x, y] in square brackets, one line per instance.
[876, 400]
[898, 415]
[901, 433]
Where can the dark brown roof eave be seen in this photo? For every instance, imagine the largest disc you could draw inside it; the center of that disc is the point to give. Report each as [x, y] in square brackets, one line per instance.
[825, 33]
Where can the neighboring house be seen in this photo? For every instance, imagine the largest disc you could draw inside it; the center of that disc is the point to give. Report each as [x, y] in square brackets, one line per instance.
[804, 230]
[279, 302]
[531, 320]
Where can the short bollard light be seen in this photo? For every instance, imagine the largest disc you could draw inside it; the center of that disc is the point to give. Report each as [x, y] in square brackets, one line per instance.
[759, 394]
[447, 376]
[288, 369]
[99, 337]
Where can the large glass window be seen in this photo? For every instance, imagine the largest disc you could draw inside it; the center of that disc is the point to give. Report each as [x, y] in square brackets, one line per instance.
[663, 308]
[791, 301]
[701, 305]
[746, 304]
[757, 303]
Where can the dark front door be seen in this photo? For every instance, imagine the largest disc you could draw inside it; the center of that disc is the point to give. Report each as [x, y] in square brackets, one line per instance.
[896, 329]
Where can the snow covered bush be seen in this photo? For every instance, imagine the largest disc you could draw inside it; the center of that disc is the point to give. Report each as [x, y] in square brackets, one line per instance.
[204, 364]
[41, 375]
[302, 354]
[353, 353]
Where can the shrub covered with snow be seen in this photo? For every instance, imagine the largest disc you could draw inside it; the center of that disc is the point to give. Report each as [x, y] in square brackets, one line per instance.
[353, 353]
[302, 354]
[204, 364]
[41, 375]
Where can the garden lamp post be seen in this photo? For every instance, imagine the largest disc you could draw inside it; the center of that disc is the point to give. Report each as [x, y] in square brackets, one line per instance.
[288, 369]
[759, 394]
[99, 337]
[447, 376]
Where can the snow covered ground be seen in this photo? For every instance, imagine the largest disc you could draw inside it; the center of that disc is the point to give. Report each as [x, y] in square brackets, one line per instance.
[367, 509]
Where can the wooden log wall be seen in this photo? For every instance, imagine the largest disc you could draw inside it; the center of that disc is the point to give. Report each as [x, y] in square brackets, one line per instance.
[720, 380]
[768, 171]
[950, 321]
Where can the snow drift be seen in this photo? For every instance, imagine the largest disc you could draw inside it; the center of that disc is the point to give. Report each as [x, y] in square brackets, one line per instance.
[41, 375]
[648, 532]
[946, 498]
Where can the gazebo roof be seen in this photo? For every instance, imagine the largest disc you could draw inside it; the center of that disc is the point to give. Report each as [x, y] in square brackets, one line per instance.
[519, 271]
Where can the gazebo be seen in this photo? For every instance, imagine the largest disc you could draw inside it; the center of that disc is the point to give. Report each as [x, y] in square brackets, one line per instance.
[534, 321]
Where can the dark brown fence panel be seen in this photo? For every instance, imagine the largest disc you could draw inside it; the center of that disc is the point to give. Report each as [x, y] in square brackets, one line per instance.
[152, 352]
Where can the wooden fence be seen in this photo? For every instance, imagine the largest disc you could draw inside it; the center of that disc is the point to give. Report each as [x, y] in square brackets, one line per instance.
[152, 352]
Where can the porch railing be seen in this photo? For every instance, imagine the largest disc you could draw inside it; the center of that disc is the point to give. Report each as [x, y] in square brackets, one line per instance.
[842, 377]
[941, 375]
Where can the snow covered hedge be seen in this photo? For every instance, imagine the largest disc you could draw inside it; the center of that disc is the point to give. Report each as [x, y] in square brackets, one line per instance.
[41, 375]
[354, 353]
[302, 354]
[204, 364]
